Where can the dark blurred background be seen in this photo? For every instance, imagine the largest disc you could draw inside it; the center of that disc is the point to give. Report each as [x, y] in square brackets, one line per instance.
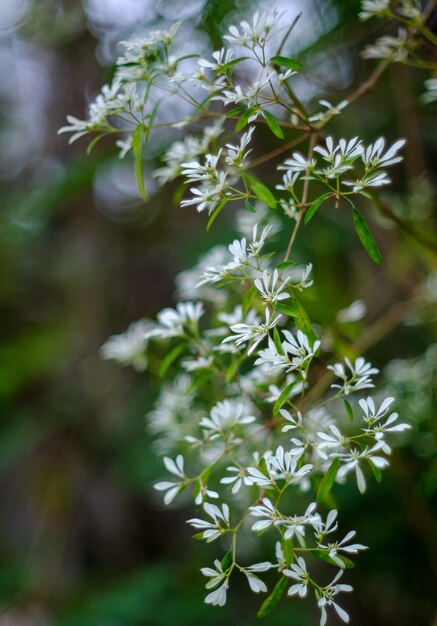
[83, 539]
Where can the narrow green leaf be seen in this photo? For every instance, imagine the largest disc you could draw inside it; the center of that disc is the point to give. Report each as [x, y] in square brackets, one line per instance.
[328, 480]
[273, 124]
[137, 147]
[366, 237]
[291, 311]
[209, 97]
[264, 194]
[376, 471]
[313, 208]
[285, 394]
[230, 64]
[290, 64]
[227, 560]
[285, 265]
[277, 340]
[270, 603]
[235, 111]
[262, 466]
[171, 357]
[320, 554]
[349, 410]
[249, 207]
[302, 320]
[244, 118]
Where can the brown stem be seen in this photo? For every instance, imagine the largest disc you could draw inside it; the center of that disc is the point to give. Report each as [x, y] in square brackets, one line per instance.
[303, 200]
[277, 151]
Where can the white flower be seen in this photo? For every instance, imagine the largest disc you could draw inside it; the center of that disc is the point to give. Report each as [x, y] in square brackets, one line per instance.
[128, 348]
[370, 180]
[352, 459]
[373, 418]
[353, 313]
[374, 155]
[200, 363]
[295, 524]
[217, 576]
[237, 479]
[289, 180]
[342, 546]
[299, 347]
[430, 94]
[329, 593]
[246, 332]
[298, 163]
[298, 571]
[359, 377]
[267, 511]
[175, 467]
[255, 583]
[388, 47]
[370, 8]
[335, 440]
[331, 110]
[258, 33]
[172, 322]
[224, 417]
[218, 526]
[271, 288]
[218, 597]
[236, 155]
[221, 57]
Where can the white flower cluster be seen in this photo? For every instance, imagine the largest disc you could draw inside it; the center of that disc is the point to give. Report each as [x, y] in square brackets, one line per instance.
[245, 428]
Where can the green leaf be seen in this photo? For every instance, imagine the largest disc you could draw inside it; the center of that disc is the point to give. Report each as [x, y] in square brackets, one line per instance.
[230, 64]
[235, 111]
[320, 554]
[328, 480]
[277, 340]
[349, 410]
[366, 237]
[209, 97]
[273, 124]
[262, 466]
[291, 311]
[290, 64]
[249, 207]
[313, 208]
[171, 357]
[285, 265]
[302, 320]
[270, 603]
[244, 118]
[137, 147]
[264, 194]
[285, 394]
[227, 560]
[376, 471]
